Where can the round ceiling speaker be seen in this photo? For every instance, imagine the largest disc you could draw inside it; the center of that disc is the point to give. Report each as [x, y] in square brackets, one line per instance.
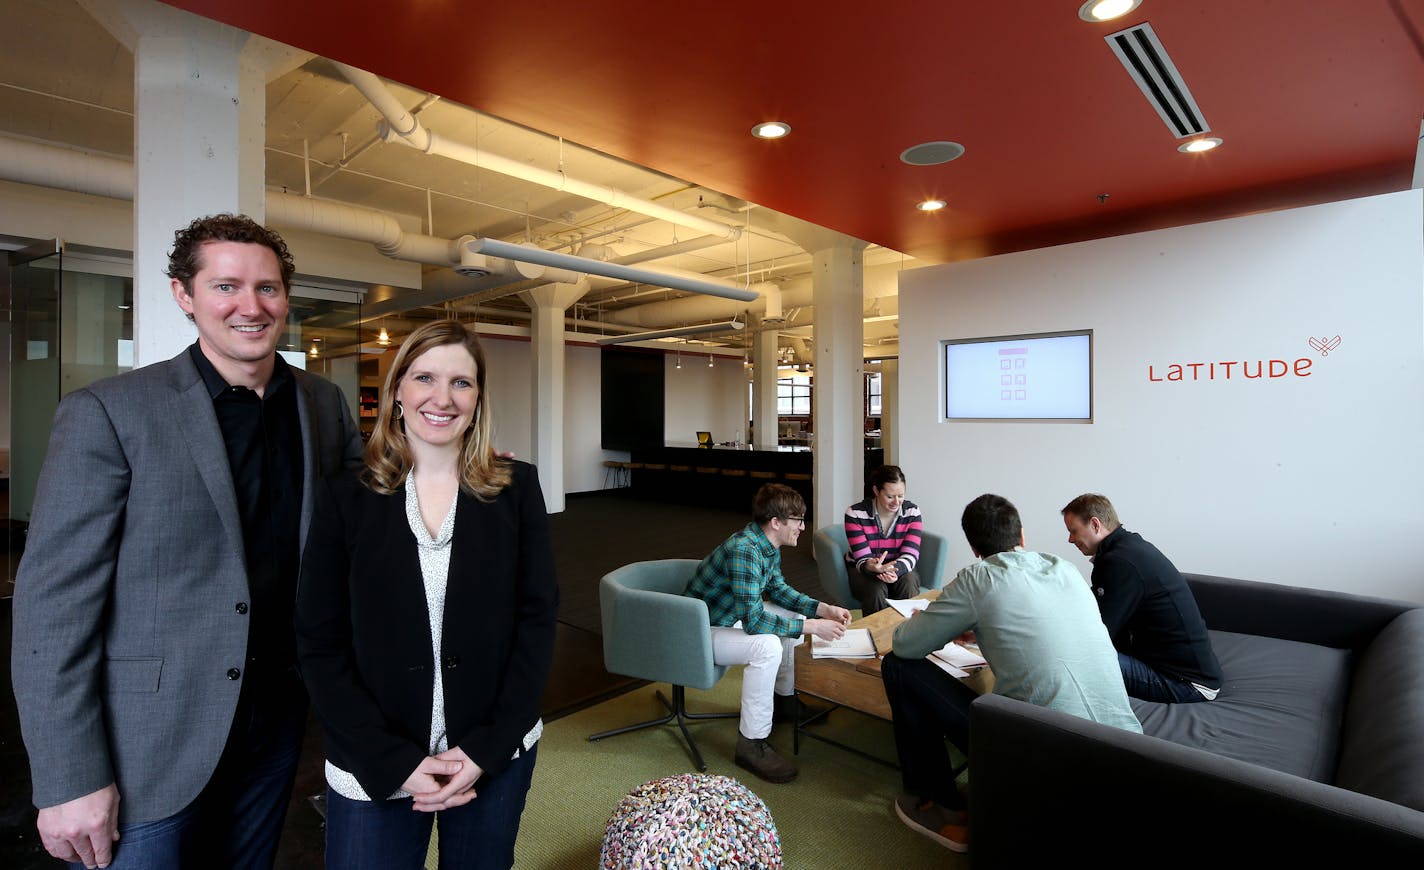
[931, 153]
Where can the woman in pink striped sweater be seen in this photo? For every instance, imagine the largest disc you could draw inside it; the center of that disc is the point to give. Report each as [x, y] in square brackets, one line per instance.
[884, 537]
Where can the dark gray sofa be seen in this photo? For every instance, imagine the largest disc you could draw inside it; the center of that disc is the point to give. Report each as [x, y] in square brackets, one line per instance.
[1314, 751]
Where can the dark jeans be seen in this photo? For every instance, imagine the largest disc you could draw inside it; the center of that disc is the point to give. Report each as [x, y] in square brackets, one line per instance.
[389, 835]
[872, 593]
[1147, 684]
[929, 706]
[236, 820]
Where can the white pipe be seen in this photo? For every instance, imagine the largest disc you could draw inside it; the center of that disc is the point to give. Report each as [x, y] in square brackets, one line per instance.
[699, 308]
[383, 231]
[81, 172]
[401, 126]
[65, 169]
[531, 254]
[334, 219]
[703, 329]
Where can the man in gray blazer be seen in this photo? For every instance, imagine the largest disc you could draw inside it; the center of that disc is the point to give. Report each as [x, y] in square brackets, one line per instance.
[153, 658]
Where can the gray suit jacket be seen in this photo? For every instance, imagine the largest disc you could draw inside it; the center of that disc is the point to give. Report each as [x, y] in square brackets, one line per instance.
[125, 613]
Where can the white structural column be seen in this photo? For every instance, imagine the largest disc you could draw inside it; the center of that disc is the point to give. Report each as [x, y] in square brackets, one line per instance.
[199, 133]
[890, 410]
[764, 420]
[547, 304]
[839, 385]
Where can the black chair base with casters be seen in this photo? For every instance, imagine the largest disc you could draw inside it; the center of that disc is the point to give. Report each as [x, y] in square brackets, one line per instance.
[653, 632]
[677, 711]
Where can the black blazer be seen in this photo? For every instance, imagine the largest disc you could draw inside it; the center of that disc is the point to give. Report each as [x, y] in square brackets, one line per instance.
[363, 628]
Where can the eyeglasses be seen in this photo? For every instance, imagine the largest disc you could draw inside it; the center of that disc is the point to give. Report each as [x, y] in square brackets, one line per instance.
[801, 521]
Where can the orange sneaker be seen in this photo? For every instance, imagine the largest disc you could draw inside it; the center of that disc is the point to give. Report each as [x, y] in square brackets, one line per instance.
[947, 827]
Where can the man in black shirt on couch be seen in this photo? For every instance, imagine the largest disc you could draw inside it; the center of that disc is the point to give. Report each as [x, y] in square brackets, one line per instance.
[1160, 636]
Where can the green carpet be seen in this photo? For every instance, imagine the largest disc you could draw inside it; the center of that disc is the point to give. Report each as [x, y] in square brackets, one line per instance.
[838, 813]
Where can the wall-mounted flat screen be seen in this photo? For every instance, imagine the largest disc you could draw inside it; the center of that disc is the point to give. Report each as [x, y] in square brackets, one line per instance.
[1048, 376]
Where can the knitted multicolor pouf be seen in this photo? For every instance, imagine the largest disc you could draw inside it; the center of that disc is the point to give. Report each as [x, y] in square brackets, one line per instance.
[690, 821]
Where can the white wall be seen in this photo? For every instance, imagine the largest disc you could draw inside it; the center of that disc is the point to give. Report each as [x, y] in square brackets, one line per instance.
[1313, 481]
[583, 420]
[509, 384]
[700, 398]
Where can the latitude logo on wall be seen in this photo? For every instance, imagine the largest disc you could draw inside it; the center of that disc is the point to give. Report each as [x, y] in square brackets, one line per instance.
[1244, 369]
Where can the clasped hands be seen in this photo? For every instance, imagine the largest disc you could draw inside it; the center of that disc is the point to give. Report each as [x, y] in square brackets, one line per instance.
[881, 571]
[442, 782]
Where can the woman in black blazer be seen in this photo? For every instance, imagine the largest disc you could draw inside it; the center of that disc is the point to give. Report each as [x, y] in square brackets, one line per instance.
[425, 622]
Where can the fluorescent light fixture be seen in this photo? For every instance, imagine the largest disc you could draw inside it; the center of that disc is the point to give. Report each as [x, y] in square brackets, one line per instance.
[1106, 10]
[703, 329]
[771, 130]
[1197, 146]
[542, 257]
[931, 205]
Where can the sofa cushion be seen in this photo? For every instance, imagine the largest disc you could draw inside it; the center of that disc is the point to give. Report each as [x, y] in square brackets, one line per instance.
[1382, 752]
[1280, 706]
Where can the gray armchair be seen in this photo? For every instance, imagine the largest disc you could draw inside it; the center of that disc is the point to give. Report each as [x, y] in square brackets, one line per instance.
[830, 547]
[651, 631]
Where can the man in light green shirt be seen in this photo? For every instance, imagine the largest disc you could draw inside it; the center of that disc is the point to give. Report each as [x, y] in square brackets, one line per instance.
[1037, 626]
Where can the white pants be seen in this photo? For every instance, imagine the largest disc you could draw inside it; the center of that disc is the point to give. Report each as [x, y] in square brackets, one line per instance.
[771, 668]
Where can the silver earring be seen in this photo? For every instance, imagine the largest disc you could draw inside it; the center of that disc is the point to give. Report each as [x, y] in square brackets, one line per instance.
[399, 412]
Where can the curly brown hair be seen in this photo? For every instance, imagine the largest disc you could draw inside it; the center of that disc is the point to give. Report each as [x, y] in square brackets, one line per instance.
[185, 260]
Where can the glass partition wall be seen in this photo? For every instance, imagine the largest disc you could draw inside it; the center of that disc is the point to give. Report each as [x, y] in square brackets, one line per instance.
[70, 322]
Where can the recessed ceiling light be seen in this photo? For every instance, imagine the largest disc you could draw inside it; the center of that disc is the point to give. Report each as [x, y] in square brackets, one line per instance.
[931, 153]
[1106, 10]
[771, 129]
[1197, 146]
[931, 205]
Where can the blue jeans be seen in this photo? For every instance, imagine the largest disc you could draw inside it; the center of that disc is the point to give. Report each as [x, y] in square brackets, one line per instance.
[236, 820]
[928, 705]
[1146, 684]
[389, 835]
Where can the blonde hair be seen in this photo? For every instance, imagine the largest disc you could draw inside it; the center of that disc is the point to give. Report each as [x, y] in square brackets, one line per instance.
[388, 455]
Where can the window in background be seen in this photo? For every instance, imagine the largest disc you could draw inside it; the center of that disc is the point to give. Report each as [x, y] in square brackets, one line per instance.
[793, 396]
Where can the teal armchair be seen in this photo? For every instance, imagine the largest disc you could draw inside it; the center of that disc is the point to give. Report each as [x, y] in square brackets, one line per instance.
[651, 631]
[830, 547]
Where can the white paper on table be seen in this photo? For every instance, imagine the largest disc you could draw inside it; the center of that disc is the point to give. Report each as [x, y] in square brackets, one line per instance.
[908, 605]
[856, 643]
[946, 667]
[959, 657]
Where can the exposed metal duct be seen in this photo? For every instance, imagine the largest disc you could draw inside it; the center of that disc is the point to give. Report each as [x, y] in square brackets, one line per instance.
[531, 254]
[401, 126]
[703, 329]
[67, 169]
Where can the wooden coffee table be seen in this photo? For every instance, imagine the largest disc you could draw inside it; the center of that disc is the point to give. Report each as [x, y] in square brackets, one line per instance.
[856, 683]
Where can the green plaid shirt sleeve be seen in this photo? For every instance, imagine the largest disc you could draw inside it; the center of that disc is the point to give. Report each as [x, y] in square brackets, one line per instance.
[733, 579]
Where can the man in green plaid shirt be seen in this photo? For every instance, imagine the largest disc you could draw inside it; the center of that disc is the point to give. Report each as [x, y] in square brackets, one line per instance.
[746, 630]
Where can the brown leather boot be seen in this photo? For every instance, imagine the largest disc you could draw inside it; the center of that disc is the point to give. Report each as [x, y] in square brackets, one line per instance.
[758, 757]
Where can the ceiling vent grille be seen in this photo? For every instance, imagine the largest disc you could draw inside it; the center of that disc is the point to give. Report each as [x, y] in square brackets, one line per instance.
[1145, 59]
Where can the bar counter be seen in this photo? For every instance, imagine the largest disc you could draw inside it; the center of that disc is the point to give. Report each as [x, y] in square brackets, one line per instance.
[725, 476]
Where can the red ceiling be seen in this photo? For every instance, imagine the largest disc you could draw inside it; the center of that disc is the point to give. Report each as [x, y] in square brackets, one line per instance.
[1315, 101]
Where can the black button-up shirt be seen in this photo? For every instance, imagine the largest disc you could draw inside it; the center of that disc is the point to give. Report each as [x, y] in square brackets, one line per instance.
[264, 450]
